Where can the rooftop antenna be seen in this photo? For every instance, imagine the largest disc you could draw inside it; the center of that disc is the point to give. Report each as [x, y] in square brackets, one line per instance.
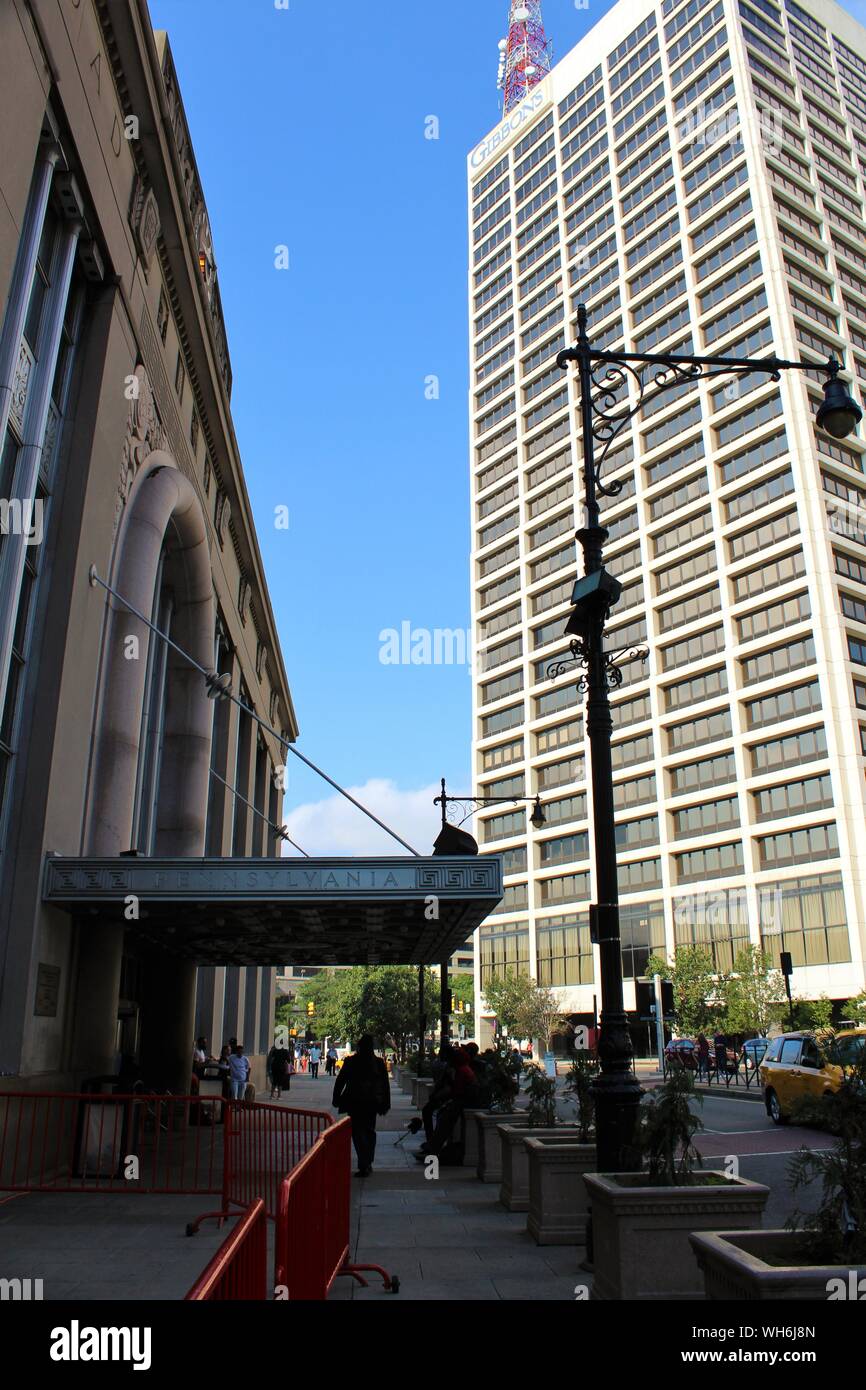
[525, 56]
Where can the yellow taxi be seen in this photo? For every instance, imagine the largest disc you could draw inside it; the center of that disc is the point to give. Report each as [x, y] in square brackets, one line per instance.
[800, 1065]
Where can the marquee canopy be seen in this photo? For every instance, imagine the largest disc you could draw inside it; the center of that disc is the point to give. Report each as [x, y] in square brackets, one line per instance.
[382, 911]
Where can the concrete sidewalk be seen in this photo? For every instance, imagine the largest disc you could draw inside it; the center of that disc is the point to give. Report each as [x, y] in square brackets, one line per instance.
[447, 1238]
[106, 1246]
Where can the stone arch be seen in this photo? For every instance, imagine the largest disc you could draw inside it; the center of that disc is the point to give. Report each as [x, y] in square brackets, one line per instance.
[163, 512]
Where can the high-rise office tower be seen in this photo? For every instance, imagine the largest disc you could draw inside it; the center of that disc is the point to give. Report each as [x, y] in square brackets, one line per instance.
[695, 174]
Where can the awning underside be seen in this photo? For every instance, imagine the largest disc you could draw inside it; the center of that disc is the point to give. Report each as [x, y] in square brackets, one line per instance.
[394, 911]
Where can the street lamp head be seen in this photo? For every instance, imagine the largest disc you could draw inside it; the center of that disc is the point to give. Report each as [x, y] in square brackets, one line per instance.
[538, 818]
[838, 414]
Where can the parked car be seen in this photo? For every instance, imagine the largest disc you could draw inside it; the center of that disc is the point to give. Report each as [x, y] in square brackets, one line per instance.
[682, 1052]
[798, 1065]
[752, 1053]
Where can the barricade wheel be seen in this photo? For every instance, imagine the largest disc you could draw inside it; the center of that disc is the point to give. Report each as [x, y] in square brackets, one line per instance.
[190, 1228]
[395, 1283]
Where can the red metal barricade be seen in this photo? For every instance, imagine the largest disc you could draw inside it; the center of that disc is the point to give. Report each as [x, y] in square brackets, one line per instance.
[239, 1269]
[77, 1142]
[312, 1235]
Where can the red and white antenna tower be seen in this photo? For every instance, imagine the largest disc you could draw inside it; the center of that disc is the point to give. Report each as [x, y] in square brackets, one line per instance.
[525, 55]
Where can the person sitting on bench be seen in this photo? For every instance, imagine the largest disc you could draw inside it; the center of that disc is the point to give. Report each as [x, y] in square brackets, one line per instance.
[459, 1091]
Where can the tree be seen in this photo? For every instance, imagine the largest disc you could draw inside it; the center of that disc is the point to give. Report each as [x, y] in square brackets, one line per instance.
[855, 1009]
[463, 993]
[506, 995]
[695, 987]
[524, 1008]
[754, 993]
[382, 1000]
[813, 1013]
[325, 992]
[544, 1015]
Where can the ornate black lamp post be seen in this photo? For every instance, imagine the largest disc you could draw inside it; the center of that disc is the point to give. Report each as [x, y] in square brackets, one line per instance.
[604, 411]
[467, 803]
[453, 840]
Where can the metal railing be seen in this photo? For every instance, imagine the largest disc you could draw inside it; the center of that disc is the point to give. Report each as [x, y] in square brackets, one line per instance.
[239, 1269]
[312, 1236]
[738, 1073]
[84, 1142]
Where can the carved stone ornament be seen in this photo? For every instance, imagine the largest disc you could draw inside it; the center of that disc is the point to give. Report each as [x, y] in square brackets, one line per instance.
[20, 386]
[145, 220]
[144, 434]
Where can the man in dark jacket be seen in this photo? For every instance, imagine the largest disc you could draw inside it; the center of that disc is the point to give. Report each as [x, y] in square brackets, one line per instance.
[362, 1091]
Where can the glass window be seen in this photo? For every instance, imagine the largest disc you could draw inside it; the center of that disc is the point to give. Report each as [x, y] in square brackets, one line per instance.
[722, 814]
[714, 861]
[564, 950]
[642, 933]
[707, 729]
[793, 798]
[798, 846]
[805, 916]
[778, 661]
[708, 772]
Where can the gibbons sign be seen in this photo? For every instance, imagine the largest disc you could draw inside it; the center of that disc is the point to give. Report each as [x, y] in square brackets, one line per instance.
[538, 98]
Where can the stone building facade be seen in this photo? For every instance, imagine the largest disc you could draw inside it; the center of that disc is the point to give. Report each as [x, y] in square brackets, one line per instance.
[119, 466]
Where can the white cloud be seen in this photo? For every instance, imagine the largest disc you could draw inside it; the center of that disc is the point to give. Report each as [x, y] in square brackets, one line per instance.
[335, 827]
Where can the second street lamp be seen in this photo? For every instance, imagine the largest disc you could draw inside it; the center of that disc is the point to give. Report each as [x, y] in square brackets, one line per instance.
[604, 379]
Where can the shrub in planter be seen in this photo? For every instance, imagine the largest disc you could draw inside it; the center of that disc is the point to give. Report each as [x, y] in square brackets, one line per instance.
[541, 1090]
[835, 1233]
[542, 1121]
[502, 1086]
[821, 1256]
[642, 1221]
[578, 1084]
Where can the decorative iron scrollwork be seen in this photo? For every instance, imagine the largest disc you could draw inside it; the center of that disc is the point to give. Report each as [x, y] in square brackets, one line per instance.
[579, 660]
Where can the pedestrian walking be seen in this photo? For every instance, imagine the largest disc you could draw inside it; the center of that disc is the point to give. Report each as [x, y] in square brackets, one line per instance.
[362, 1092]
[315, 1058]
[331, 1061]
[703, 1050]
[278, 1070]
[239, 1072]
[720, 1045]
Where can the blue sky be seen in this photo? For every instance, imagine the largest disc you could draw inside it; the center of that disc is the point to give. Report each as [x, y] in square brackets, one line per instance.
[309, 130]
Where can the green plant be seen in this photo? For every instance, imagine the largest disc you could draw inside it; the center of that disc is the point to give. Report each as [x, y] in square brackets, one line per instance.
[835, 1233]
[541, 1090]
[502, 1082]
[754, 993]
[813, 1013]
[855, 1009]
[578, 1085]
[524, 1008]
[667, 1129]
[695, 983]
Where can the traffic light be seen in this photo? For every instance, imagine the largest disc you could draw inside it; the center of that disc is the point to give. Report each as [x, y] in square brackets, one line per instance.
[311, 1007]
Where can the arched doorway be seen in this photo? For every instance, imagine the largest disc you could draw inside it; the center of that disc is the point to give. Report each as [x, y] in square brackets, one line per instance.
[149, 788]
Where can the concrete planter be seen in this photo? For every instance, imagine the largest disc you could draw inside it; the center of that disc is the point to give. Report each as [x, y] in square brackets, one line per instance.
[558, 1208]
[470, 1154]
[514, 1189]
[736, 1267]
[407, 1079]
[422, 1089]
[640, 1235]
[487, 1123]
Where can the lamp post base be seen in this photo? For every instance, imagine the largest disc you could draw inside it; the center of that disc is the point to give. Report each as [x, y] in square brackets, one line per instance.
[617, 1093]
